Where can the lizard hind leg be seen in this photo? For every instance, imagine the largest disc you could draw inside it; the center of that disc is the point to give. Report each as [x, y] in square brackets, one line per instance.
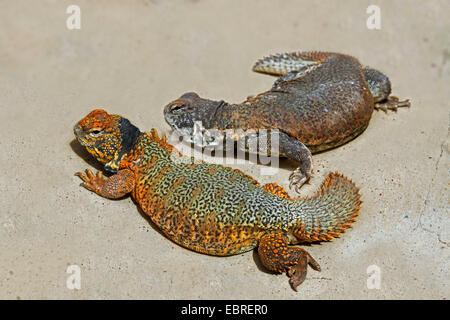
[275, 189]
[392, 103]
[380, 89]
[277, 256]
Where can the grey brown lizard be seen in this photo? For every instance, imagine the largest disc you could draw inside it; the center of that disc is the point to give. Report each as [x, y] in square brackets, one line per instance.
[320, 101]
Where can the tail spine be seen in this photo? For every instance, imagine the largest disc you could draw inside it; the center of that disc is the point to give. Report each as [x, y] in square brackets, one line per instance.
[281, 64]
[330, 212]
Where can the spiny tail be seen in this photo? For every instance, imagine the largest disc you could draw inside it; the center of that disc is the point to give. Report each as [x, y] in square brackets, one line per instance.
[328, 213]
[281, 64]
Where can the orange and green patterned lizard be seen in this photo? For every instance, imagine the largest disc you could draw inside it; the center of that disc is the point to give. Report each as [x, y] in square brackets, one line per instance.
[210, 208]
[321, 100]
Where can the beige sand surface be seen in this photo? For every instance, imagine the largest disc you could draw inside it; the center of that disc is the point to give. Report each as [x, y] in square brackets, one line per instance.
[132, 58]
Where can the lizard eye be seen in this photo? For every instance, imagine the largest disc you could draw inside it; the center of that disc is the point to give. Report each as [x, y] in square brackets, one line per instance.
[176, 107]
[95, 132]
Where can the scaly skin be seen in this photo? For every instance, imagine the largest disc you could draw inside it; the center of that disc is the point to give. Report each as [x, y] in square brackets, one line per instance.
[210, 208]
[321, 101]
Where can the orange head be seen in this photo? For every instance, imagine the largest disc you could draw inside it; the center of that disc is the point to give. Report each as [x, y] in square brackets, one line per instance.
[107, 137]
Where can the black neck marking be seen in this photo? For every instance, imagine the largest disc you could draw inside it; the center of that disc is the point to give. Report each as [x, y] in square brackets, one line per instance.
[129, 134]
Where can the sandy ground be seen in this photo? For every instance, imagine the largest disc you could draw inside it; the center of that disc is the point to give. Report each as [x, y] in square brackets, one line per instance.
[132, 58]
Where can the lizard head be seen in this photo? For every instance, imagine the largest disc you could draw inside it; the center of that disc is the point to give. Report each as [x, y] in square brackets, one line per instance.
[194, 118]
[107, 137]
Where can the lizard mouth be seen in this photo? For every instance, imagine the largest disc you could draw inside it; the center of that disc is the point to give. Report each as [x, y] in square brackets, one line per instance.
[79, 135]
[83, 142]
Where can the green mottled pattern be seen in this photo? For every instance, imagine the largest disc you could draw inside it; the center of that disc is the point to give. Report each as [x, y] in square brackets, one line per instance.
[226, 202]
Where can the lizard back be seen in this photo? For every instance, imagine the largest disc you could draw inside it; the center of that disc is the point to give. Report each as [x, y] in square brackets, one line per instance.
[324, 107]
[222, 211]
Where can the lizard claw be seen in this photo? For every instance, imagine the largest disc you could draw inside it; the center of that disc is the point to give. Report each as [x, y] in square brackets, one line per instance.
[298, 178]
[90, 181]
[392, 103]
[297, 273]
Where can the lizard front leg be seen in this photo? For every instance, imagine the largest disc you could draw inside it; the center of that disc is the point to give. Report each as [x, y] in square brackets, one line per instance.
[293, 149]
[277, 256]
[113, 187]
[276, 143]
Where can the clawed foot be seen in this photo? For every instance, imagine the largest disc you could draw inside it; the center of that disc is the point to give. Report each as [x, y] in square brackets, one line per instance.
[297, 273]
[392, 103]
[298, 178]
[90, 181]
